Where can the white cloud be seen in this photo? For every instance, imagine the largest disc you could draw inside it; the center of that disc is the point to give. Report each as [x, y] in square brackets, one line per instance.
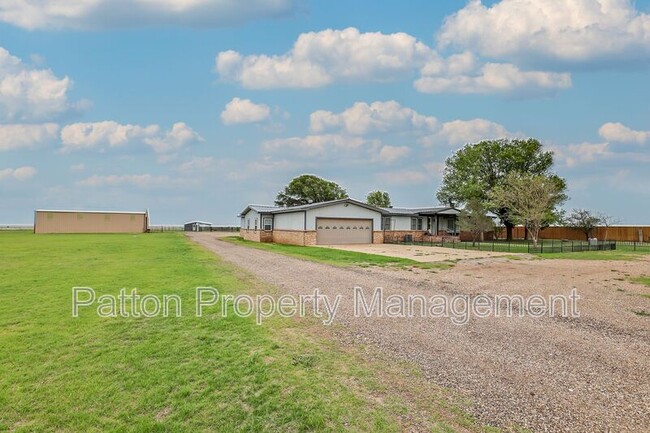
[390, 154]
[93, 14]
[179, 136]
[321, 58]
[78, 136]
[488, 78]
[197, 164]
[244, 111]
[618, 132]
[576, 154]
[20, 173]
[404, 177]
[389, 116]
[459, 132]
[28, 94]
[314, 145]
[568, 31]
[107, 133]
[363, 118]
[19, 136]
[144, 181]
[78, 167]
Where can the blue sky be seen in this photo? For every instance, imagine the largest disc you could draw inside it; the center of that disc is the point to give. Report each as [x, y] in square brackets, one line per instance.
[195, 108]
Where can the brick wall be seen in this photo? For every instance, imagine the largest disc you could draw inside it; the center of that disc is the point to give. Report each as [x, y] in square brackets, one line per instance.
[294, 237]
[266, 236]
[250, 235]
[377, 237]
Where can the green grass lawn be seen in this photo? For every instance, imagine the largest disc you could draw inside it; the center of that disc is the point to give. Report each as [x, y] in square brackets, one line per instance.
[59, 373]
[623, 252]
[337, 257]
[643, 280]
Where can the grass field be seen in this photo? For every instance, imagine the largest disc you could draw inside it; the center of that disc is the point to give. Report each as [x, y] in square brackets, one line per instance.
[59, 373]
[338, 257]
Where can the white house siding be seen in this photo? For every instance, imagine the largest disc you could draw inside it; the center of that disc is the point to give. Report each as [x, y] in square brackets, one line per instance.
[289, 221]
[248, 221]
[400, 222]
[343, 211]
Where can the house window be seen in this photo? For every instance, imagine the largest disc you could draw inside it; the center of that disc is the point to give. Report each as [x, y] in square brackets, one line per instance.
[255, 224]
[386, 221]
[248, 224]
[416, 223]
[267, 223]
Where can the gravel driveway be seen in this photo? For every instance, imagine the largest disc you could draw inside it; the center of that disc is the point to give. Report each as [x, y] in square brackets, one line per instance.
[590, 374]
[419, 253]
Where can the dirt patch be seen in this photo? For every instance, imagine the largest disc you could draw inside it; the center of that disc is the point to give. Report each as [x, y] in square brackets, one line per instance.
[420, 253]
[585, 374]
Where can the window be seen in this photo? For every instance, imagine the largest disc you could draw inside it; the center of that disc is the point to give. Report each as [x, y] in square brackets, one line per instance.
[255, 224]
[416, 223]
[248, 223]
[386, 223]
[267, 223]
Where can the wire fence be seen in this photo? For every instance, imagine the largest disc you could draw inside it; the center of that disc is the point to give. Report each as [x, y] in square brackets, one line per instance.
[544, 246]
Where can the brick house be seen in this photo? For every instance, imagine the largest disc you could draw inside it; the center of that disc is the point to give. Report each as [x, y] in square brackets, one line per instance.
[345, 221]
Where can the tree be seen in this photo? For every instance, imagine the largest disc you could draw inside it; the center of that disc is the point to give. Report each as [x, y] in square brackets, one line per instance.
[608, 221]
[378, 198]
[584, 220]
[530, 200]
[473, 219]
[476, 169]
[307, 189]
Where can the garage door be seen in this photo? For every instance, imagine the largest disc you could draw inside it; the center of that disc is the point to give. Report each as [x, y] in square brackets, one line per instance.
[338, 231]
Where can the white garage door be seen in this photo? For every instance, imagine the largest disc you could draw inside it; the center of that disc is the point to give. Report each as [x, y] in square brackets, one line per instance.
[339, 231]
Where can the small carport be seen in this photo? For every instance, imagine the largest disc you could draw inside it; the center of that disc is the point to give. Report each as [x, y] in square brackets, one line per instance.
[197, 226]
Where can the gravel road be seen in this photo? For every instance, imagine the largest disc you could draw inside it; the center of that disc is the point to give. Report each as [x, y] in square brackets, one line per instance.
[550, 374]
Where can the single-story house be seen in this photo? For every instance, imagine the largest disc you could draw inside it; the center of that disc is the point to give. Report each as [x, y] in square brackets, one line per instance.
[345, 221]
[197, 226]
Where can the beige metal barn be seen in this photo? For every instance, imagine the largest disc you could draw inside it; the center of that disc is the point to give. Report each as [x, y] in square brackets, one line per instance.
[80, 221]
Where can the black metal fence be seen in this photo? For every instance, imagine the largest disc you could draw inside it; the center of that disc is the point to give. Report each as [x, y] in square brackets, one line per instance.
[544, 246]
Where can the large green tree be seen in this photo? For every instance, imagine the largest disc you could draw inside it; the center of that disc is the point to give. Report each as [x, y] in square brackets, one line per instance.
[473, 219]
[476, 169]
[531, 200]
[307, 189]
[378, 198]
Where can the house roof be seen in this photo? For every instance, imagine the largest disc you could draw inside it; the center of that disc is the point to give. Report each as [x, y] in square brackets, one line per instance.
[198, 222]
[443, 210]
[279, 209]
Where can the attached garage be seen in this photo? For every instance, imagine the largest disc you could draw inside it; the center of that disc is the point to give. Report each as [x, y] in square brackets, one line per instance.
[336, 222]
[342, 231]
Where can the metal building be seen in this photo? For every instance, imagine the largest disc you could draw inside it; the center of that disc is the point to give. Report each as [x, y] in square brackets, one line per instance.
[197, 226]
[83, 221]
